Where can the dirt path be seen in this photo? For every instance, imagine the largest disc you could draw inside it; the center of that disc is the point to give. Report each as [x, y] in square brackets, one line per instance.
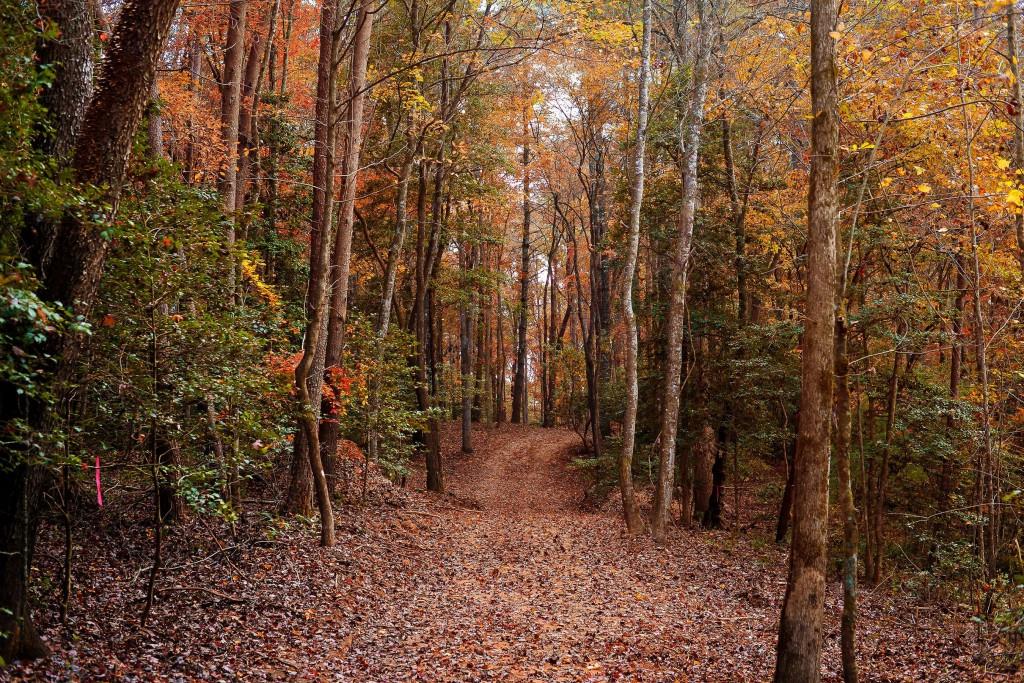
[504, 578]
[530, 588]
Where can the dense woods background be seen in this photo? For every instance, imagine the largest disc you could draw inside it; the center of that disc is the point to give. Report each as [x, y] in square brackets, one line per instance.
[760, 256]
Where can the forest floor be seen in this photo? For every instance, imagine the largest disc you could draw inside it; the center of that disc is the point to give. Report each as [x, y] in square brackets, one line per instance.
[504, 578]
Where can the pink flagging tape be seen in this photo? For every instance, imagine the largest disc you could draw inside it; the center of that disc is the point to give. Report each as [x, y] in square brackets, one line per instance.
[99, 486]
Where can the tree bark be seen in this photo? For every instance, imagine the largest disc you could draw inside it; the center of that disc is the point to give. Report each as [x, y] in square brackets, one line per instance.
[691, 128]
[876, 531]
[307, 383]
[100, 158]
[70, 55]
[248, 101]
[421, 326]
[230, 100]
[467, 318]
[844, 428]
[630, 512]
[1013, 51]
[502, 379]
[786, 506]
[798, 656]
[520, 390]
[329, 430]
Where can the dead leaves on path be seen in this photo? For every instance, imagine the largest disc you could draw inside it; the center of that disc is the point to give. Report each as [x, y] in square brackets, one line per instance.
[501, 579]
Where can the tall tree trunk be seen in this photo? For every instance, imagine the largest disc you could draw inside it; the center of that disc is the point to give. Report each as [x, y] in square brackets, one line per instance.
[230, 100]
[305, 477]
[100, 158]
[600, 293]
[691, 128]
[876, 530]
[1013, 51]
[798, 656]
[786, 505]
[466, 333]
[956, 356]
[195, 68]
[629, 509]
[482, 363]
[985, 484]
[155, 131]
[329, 430]
[434, 333]
[421, 326]
[70, 56]
[848, 628]
[395, 248]
[589, 354]
[248, 102]
[554, 337]
[520, 390]
[502, 379]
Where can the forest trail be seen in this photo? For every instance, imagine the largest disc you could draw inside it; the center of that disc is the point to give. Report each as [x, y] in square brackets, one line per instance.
[530, 587]
[503, 578]
[524, 474]
[515, 582]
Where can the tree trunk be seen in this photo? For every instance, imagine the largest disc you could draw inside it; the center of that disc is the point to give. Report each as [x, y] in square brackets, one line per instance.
[70, 56]
[307, 383]
[691, 128]
[798, 657]
[195, 68]
[421, 325]
[956, 356]
[100, 158]
[155, 132]
[1018, 117]
[704, 454]
[553, 334]
[466, 333]
[630, 512]
[248, 102]
[786, 506]
[329, 430]
[230, 100]
[877, 522]
[520, 390]
[589, 355]
[848, 628]
[502, 379]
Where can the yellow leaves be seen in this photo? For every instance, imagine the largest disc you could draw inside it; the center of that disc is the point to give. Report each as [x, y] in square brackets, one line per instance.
[1015, 197]
[862, 147]
[924, 188]
[886, 182]
[262, 288]
[835, 35]
[918, 170]
[1002, 164]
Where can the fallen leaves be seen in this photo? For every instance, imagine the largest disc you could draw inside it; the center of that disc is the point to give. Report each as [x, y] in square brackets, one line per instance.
[504, 578]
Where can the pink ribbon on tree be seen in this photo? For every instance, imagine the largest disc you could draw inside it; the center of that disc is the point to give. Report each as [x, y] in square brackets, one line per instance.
[99, 486]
